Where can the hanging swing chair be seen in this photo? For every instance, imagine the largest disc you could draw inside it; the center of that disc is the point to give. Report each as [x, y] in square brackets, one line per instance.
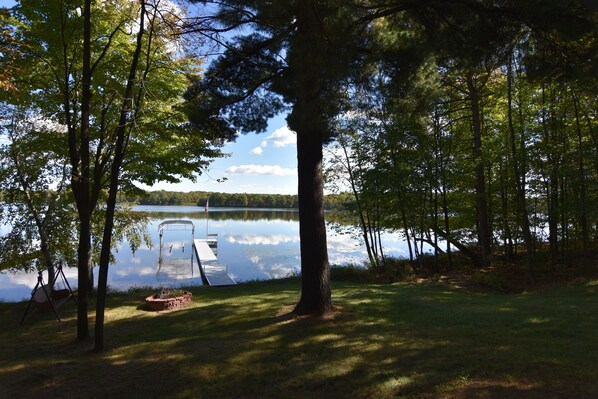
[45, 298]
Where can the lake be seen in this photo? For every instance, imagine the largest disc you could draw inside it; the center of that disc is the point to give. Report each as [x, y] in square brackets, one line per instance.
[255, 244]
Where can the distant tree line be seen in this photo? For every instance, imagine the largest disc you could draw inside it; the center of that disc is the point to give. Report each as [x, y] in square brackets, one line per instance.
[255, 214]
[243, 200]
[199, 198]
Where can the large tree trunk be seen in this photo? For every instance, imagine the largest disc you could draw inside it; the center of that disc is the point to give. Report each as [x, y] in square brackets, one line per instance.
[81, 184]
[447, 227]
[105, 255]
[315, 272]
[405, 226]
[552, 187]
[519, 179]
[308, 119]
[483, 222]
[582, 213]
[122, 131]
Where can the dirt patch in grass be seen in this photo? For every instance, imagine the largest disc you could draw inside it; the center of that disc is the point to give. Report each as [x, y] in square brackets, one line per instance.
[496, 388]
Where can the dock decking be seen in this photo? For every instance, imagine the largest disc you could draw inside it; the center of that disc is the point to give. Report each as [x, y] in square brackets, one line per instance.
[213, 272]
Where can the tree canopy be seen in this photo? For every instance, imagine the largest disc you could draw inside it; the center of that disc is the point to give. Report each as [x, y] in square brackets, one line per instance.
[411, 88]
[483, 142]
[107, 80]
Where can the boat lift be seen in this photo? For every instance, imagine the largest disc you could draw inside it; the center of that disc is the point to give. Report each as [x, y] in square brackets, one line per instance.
[176, 268]
[212, 272]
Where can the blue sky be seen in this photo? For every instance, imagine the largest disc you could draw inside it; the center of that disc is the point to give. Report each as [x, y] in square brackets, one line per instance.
[256, 163]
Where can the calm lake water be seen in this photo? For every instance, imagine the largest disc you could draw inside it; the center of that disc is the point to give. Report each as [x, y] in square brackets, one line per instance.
[254, 244]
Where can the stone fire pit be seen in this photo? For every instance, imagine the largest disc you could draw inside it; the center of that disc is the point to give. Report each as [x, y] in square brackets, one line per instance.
[168, 300]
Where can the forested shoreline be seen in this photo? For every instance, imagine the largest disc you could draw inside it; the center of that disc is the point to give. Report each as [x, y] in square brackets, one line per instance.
[495, 160]
[492, 162]
[242, 200]
[216, 199]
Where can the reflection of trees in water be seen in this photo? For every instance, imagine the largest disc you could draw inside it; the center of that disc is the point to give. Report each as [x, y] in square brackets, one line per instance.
[236, 214]
[338, 218]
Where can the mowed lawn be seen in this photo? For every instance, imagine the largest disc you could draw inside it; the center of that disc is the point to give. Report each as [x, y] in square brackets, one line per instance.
[384, 341]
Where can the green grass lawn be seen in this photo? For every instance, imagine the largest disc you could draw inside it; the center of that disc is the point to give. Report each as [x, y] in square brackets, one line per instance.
[399, 341]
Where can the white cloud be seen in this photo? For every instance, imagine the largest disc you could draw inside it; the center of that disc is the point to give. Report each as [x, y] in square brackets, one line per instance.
[281, 137]
[343, 243]
[256, 239]
[255, 259]
[257, 170]
[132, 270]
[277, 270]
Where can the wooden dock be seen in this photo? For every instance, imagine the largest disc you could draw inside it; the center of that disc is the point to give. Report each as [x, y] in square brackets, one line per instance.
[213, 273]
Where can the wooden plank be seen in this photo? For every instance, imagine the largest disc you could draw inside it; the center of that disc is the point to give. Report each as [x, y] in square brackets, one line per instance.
[214, 273]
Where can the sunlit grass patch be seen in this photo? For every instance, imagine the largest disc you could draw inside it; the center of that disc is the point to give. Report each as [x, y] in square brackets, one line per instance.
[394, 384]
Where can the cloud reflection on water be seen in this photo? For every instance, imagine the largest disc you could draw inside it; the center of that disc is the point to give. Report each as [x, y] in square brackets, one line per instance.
[257, 239]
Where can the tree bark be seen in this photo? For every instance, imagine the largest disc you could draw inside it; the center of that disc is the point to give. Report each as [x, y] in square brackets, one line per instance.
[474, 256]
[119, 154]
[358, 201]
[519, 179]
[308, 119]
[552, 188]
[81, 184]
[405, 225]
[582, 213]
[315, 273]
[447, 228]
[484, 233]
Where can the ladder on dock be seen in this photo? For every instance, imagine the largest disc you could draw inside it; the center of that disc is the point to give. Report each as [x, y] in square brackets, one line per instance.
[213, 273]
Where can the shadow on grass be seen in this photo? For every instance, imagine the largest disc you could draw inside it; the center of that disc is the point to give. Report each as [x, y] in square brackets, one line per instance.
[385, 341]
